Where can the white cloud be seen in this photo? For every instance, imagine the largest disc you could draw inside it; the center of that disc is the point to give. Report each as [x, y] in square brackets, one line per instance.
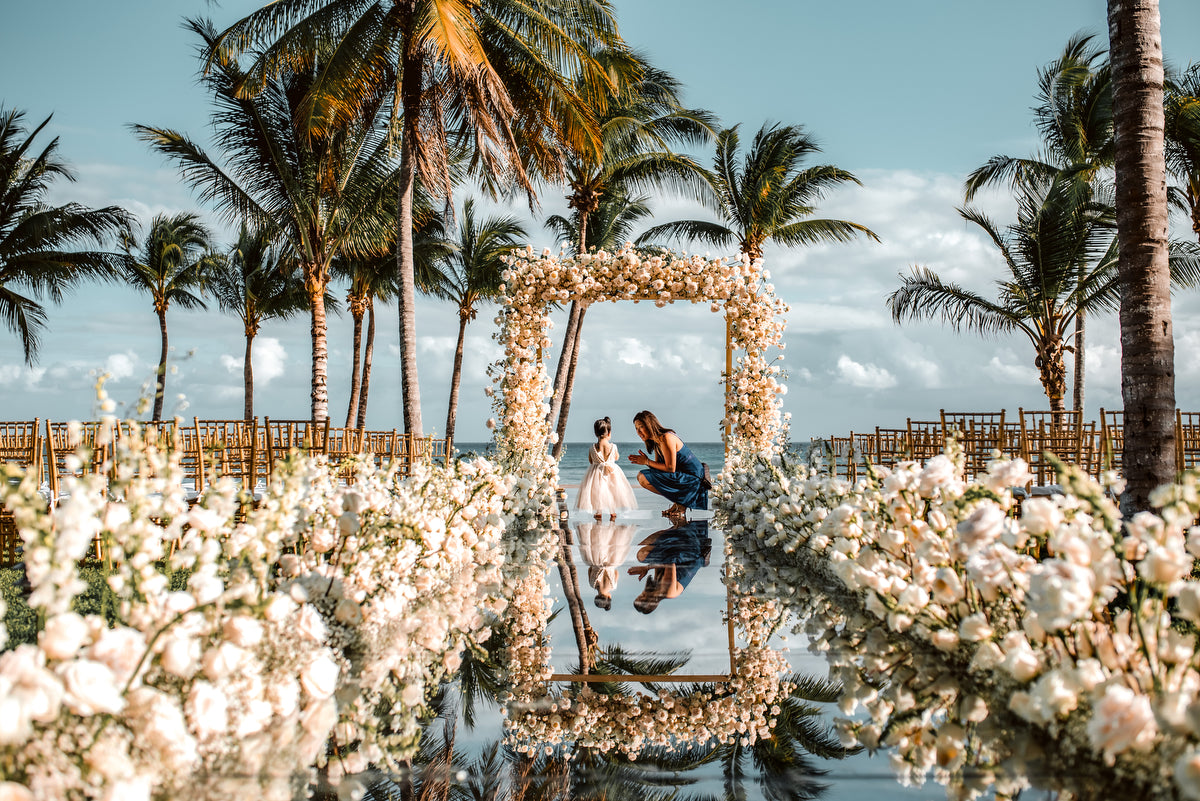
[1008, 368]
[865, 376]
[633, 351]
[270, 360]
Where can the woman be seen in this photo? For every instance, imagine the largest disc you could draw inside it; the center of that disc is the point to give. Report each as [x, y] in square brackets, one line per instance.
[674, 472]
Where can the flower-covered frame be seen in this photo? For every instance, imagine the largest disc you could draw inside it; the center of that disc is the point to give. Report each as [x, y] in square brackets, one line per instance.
[753, 424]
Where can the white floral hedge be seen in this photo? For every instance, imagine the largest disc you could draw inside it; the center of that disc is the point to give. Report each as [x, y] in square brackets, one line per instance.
[317, 625]
[532, 283]
[987, 646]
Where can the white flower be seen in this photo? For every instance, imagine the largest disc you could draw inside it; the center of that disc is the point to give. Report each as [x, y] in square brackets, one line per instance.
[947, 587]
[180, 655]
[1020, 660]
[319, 677]
[223, 660]
[1189, 601]
[309, 624]
[1122, 721]
[121, 649]
[1187, 774]
[11, 791]
[63, 635]
[245, 632]
[938, 473]
[90, 687]
[207, 710]
[982, 527]
[974, 628]
[1040, 516]
[1060, 593]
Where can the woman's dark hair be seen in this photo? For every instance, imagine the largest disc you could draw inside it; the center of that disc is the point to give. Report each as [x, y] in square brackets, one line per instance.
[602, 426]
[654, 430]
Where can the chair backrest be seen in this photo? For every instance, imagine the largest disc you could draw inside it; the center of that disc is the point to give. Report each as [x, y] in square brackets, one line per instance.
[1062, 434]
[1112, 439]
[891, 446]
[228, 448]
[21, 444]
[925, 438]
[1187, 440]
[64, 440]
[980, 434]
[286, 436]
[381, 445]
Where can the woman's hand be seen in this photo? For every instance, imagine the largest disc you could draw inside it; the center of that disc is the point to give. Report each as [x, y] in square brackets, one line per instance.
[639, 458]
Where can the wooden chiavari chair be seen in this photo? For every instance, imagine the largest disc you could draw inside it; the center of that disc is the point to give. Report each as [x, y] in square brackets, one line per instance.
[892, 446]
[287, 436]
[1112, 439]
[925, 439]
[1064, 435]
[979, 434]
[1187, 440]
[381, 446]
[21, 446]
[229, 448]
[77, 449]
[341, 445]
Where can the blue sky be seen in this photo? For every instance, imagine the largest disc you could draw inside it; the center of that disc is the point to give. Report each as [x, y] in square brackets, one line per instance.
[909, 96]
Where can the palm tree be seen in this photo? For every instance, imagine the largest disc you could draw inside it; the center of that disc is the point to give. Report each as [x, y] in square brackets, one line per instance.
[1182, 118]
[1058, 232]
[321, 195]
[1147, 344]
[34, 237]
[255, 285]
[495, 77]
[766, 195]
[371, 279]
[172, 264]
[472, 276]
[640, 122]
[1074, 116]
[609, 226]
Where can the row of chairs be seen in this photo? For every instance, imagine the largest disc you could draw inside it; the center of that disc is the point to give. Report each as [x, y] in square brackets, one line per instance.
[1093, 445]
[245, 450]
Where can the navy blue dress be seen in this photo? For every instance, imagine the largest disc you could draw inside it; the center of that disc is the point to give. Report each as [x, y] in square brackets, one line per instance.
[682, 486]
[684, 546]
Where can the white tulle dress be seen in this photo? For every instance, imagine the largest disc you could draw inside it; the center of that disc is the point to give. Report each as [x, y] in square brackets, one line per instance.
[604, 488]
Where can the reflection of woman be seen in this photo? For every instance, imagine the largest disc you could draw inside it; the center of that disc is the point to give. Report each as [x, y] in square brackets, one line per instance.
[604, 547]
[673, 556]
[674, 471]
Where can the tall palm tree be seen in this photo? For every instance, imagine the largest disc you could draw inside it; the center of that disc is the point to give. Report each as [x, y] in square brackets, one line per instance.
[609, 226]
[321, 195]
[1182, 120]
[641, 121]
[171, 264]
[766, 195]
[35, 238]
[1057, 230]
[370, 279]
[1074, 116]
[496, 77]
[472, 276]
[1147, 343]
[255, 285]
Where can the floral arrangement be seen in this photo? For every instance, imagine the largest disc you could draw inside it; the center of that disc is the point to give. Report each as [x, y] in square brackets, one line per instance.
[533, 282]
[986, 643]
[537, 716]
[245, 652]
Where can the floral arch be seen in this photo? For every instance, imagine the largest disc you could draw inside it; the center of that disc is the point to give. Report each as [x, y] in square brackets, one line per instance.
[753, 422]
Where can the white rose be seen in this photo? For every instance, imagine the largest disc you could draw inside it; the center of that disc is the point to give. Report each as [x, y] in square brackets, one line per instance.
[180, 655]
[11, 791]
[1189, 601]
[63, 635]
[1122, 721]
[245, 632]
[223, 660]
[938, 473]
[947, 586]
[1040, 516]
[207, 710]
[284, 695]
[319, 678]
[944, 639]
[310, 624]
[90, 688]
[322, 540]
[279, 608]
[974, 628]
[982, 527]
[121, 649]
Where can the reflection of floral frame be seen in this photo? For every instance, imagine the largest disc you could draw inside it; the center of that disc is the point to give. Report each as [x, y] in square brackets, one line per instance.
[753, 324]
[741, 708]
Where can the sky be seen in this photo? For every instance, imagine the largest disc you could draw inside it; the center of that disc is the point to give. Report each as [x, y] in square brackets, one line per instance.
[909, 97]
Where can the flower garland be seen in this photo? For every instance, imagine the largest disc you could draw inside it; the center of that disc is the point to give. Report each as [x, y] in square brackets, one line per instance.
[533, 282]
[985, 647]
[261, 643]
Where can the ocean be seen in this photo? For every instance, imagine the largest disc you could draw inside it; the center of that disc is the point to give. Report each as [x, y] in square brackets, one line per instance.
[574, 461]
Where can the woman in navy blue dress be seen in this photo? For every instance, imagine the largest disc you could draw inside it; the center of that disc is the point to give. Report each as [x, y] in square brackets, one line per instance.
[672, 470]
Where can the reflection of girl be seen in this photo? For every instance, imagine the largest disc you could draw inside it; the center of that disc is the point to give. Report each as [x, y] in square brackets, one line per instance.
[604, 547]
[604, 486]
[674, 472]
[673, 558]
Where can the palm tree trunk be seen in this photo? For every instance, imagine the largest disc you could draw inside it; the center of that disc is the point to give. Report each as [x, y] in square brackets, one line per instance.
[248, 380]
[564, 359]
[314, 282]
[410, 93]
[569, 385]
[570, 584]
[1147, 344]
[1080, 362]
[366, 373]
[455, 374]
[356, 312]
[1052, 372]
[160, 387]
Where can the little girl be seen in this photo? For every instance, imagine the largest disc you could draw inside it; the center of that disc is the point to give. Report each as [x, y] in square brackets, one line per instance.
[604, 486]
